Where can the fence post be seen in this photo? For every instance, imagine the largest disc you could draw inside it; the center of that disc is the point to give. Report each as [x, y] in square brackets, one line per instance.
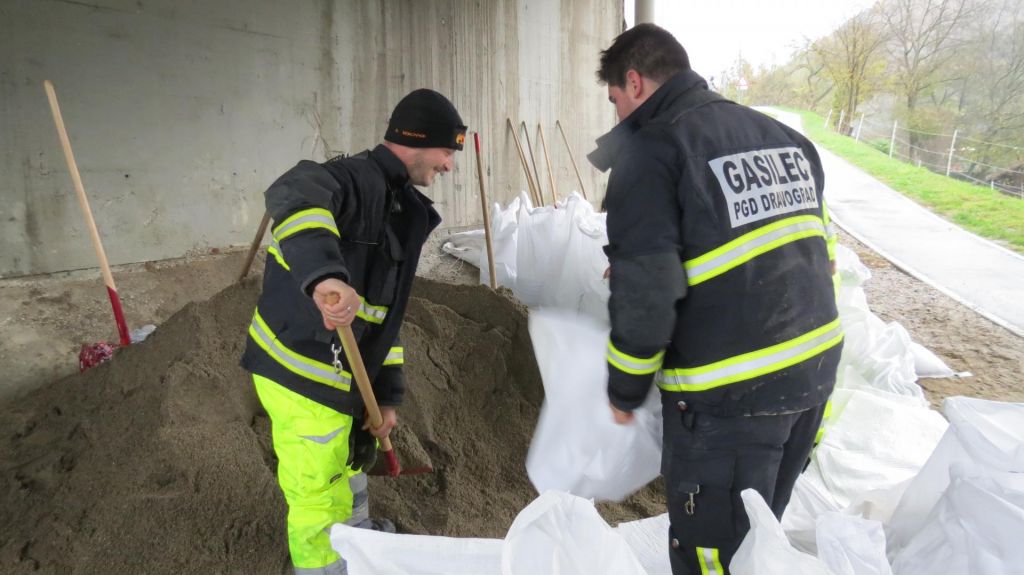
[860, 126]
[839, 126]
[828, 117]
[892, 140]
[949, 162]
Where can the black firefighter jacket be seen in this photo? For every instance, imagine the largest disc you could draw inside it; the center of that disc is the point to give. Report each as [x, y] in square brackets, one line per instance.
[719, 247]
[357, 219]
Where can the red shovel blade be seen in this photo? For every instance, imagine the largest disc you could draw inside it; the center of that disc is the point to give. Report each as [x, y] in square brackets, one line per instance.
[393, 469]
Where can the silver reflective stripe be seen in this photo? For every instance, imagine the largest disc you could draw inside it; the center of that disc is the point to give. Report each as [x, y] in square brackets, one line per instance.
[730, 372]
[275, 250]
[315, 218]
[360, 499]
[739, 252]
[371, 313]
[709, 563]
[339, 567]
[305, 367]
[324, 439]
[395, 357]
[634, 365]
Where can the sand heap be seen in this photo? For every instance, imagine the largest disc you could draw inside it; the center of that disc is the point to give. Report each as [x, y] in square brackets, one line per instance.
[160, 461]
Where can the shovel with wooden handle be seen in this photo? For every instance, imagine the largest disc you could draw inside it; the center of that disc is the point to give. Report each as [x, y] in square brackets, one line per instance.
[355, 362]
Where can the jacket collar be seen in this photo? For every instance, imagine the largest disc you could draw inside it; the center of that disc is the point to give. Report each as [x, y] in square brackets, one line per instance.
[394, 170]
[610, 145]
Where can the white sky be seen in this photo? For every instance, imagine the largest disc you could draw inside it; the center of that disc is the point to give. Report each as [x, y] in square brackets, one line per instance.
[716, 32]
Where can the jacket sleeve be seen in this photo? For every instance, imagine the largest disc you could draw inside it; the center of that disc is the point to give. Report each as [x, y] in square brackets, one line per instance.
[647, 277]
[305, 204]
[389, 386]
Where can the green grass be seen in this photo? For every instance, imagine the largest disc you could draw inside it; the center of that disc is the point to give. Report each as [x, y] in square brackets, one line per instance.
[981, 210]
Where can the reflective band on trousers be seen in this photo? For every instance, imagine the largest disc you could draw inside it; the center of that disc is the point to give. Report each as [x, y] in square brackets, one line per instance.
[707, 557]
[395, 357]
[750, 245]
[305, 220]
[634, 365]
[294, 362]
[753, 364]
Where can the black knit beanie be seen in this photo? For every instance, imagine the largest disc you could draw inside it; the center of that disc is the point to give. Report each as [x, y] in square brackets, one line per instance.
[426, 119]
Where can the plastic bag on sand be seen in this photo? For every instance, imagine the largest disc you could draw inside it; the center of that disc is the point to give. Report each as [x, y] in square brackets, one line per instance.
[851, 545]
[983, 435]
[577, 447]
[646, 537]
[765, 550]
[974, 529]
[873, 446]
[371, 552]
[563, 534]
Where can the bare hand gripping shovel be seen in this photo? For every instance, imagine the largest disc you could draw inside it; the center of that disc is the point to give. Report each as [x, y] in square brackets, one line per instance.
[355, 361]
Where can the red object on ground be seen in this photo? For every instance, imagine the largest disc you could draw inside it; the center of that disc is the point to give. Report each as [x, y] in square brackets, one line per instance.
[94, 354]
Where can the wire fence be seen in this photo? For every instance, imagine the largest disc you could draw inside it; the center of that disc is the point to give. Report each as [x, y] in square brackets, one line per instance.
[953, 161]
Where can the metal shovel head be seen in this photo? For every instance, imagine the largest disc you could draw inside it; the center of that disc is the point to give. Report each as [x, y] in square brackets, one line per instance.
[389, 467]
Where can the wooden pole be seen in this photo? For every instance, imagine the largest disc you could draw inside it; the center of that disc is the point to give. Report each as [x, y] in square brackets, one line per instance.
[583, 189]
[522, 158]
[483, 207]
[76, 179]
[255, 245]
[533, 160]
[952, 147]
[892, 140]
[547, 160]
[828, 118]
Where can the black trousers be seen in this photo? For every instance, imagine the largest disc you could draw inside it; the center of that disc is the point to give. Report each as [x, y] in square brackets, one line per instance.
[707, 461]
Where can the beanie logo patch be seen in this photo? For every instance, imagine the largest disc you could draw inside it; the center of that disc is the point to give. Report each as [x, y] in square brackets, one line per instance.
[460, 139]
[411, 134]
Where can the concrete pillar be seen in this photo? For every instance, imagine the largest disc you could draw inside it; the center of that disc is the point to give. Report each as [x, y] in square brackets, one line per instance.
[644, 11]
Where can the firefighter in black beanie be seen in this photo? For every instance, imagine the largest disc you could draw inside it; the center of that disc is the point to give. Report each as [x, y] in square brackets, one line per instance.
[348, 230]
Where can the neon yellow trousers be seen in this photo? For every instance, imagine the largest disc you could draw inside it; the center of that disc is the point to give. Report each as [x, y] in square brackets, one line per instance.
[312, 445]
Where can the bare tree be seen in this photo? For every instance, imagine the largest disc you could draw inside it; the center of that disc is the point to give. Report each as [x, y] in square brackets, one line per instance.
[925, 37]
[851, 57]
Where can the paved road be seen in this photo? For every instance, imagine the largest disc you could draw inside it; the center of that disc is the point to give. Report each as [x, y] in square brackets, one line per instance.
[980, 274]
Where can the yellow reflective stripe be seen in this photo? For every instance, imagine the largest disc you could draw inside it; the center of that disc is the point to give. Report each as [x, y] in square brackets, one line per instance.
[371, 313]
[305, 220]
[709, 561]
[296, 363]
[396, 356]
[274, 249]
[634, 365]
[750, 245]
[824, 420]
[753, 364]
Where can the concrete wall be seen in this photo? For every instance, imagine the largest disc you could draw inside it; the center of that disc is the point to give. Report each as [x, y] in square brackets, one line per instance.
[181, 112]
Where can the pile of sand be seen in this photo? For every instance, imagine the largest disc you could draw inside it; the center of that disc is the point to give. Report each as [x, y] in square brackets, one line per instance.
[160, 460]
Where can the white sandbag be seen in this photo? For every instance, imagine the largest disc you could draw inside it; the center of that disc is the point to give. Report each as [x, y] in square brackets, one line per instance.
[874, 444]
[579, 283]
[974, 529]
[851, 545]
[371, 552]
[577, 447]
[765, 550]
[877, 445]
[648, 538]
[561, 534]
[852, 272]
[987, 436]
[467, 246]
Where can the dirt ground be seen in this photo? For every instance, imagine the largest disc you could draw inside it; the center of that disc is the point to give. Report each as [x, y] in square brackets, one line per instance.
[160, 460]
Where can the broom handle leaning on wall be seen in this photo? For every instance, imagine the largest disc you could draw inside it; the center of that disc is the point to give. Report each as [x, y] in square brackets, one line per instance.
[533, 160]
[547, 160]
[583, 189]
[76, 179]
[522, 158]
[483, 207]
[255, 245]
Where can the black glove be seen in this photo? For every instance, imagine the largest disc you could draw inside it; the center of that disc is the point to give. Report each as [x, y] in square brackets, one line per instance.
[362, 448]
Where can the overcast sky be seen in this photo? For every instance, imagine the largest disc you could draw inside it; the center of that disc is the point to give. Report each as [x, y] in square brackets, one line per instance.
[716, 32]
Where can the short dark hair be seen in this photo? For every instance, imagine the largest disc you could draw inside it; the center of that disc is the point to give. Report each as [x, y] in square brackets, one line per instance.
[646, 48]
